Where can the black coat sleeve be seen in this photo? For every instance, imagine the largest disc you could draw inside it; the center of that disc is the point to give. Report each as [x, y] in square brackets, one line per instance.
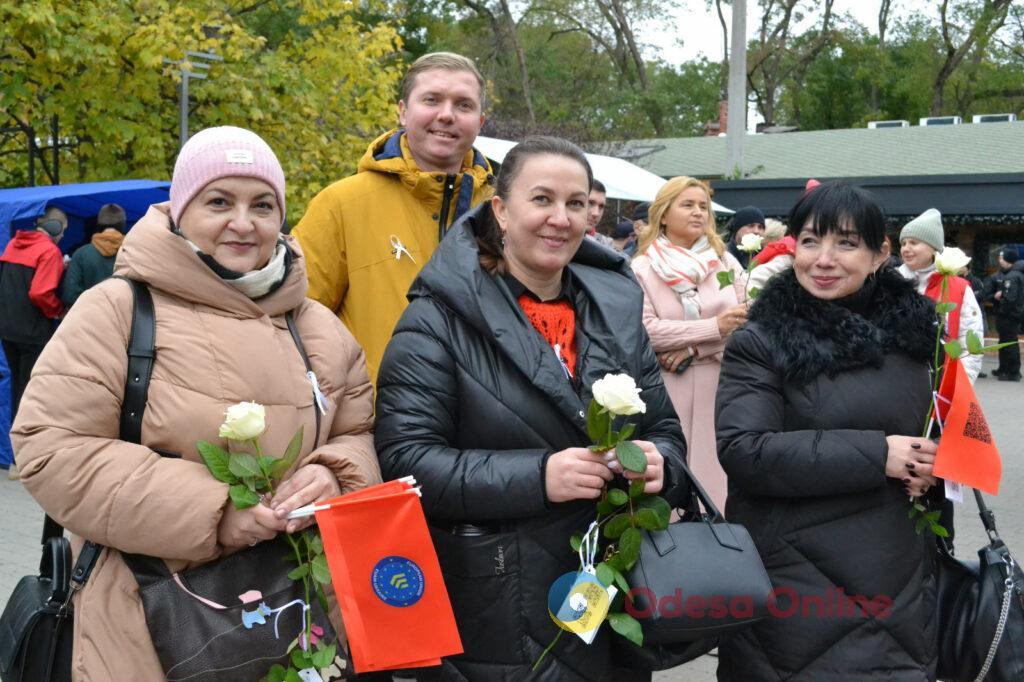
[660, 425]
[417, 404]
[761, 458]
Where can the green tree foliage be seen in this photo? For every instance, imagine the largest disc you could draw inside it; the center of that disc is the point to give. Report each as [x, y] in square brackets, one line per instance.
[308, 76]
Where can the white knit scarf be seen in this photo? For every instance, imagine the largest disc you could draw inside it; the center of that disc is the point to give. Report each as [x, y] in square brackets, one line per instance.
[683, 269]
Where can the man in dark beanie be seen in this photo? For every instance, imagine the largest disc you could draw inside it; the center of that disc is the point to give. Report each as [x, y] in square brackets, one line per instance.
[94, 262]
[1009, 297]
[747, 220]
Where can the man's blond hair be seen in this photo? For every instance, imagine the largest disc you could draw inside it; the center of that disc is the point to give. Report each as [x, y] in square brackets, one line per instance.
[445, 61]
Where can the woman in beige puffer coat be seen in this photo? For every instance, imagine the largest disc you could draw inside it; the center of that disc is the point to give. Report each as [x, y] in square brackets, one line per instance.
[221, 287]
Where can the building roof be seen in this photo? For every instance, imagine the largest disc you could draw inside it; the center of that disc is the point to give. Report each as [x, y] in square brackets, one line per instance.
[965, 149]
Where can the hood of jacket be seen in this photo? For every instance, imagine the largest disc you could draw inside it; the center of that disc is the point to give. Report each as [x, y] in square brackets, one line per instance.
[811, 336]
[153, 254]
[1018, 267]
[29, 240]
[390, 154]
[108, 242]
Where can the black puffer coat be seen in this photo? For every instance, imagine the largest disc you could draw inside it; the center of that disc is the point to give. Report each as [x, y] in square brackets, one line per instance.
[471, 401]
[808, 393]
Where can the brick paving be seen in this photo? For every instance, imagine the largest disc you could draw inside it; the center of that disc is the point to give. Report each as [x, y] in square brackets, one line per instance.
[1002, 402]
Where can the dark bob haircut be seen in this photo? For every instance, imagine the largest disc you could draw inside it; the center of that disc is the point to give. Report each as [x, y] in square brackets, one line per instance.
[836, 207]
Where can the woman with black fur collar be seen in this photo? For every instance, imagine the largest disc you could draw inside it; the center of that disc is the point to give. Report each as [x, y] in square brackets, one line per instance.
[818, 394]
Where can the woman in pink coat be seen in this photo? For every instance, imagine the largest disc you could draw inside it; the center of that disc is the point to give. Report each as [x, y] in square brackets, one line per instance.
[689, 314]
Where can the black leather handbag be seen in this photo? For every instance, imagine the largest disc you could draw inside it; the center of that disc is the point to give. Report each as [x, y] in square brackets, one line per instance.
[694, 584]
[36, 628]
[981, 611]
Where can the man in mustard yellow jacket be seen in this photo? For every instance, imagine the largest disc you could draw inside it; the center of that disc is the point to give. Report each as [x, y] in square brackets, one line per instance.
[366, 237]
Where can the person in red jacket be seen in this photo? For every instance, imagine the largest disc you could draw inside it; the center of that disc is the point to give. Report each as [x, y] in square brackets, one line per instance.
[30, 271]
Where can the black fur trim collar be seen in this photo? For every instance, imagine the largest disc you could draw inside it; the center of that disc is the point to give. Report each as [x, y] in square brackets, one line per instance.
[809, 336]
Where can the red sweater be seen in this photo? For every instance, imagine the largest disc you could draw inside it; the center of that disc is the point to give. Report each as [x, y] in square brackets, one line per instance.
[36, 251]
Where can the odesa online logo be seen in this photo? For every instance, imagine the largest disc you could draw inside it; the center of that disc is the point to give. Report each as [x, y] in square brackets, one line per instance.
[397, 581]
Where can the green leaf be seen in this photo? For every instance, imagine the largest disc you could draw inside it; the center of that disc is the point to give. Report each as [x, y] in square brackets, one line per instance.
[301, 660]
[627, 626]
[597, 423]
[617, 497]
[243, 497]
[576, 541]
[648, 519]
[933, 515]
[940, 530]
[725, 279]
[920, 525]
[216, 459]
[244, 465]
[659, 506]
[997, 346]
[620, 581]
[631, 457]
[953, 348]
[322, 598]
[973, 343]
[629, 547]
[911, 513]
[291, 453]
[754, 291]
[613, 529]
[321, 573]
[299, 572]
[636, 488]
[920, 507]
[605, 574]
[275, 674]
[292, 676]
[943, 308]
[266, 464]
[316, 543]
[324, 657]
[627, 431]
[604, 507]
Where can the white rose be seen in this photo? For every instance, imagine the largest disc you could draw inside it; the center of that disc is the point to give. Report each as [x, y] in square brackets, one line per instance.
[244, 421]
[751, 242]
[951, 260]
[619, 394]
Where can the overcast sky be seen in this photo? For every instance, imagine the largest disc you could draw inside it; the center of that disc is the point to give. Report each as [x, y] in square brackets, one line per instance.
[701, 33]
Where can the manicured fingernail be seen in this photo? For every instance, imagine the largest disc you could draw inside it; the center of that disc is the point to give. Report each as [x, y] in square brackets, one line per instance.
[916, 446]
[907, 481]
[609, 456]
[910, 465]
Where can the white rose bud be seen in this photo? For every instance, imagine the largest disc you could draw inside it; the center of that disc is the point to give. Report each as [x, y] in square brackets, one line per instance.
[244, 421]
[751, 243]
[619, 394]
[951, 260]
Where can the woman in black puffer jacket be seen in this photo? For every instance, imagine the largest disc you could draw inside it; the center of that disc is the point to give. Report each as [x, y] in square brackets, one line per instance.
[483, 395]
[818, 395]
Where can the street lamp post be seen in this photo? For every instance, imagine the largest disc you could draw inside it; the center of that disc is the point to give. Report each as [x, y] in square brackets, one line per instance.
[191, 60]
[737, 125]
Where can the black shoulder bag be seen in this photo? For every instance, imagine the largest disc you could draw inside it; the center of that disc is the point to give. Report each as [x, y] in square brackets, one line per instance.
[36, 628]
[981, 611]
[702, 558]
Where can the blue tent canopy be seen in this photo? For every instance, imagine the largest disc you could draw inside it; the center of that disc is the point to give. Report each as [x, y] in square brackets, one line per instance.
[19, 208]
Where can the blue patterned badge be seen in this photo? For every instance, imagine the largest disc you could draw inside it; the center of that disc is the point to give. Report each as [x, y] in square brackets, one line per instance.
[397, 581]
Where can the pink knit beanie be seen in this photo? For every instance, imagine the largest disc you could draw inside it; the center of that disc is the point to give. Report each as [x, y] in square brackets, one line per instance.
[218, 153]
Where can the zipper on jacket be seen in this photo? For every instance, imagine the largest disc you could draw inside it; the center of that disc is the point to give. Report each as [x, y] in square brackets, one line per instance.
[446, 200]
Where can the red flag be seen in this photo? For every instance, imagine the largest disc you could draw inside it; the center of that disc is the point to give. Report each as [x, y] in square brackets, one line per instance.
[387, 579]
[967, 452]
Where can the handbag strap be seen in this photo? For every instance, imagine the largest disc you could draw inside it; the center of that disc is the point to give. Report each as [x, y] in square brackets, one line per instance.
[290, 321]
[140, 367]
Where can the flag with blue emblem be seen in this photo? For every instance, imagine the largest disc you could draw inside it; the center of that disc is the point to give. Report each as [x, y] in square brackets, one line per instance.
[387, 578]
